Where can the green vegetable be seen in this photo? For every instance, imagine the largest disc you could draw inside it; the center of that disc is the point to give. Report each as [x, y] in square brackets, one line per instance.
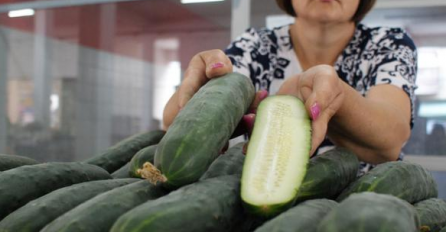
[230, 163]
[408, 181]
[99, 213]
[209, 205]
[118, 155]
[371, 212]
[145, 155]
[41, 211]
[201, 129]
[303, 217]
[123, 172]
[277, 156]
[328, 174]
[432, 213]
[13, 161]
[20, 185]
[443, 230]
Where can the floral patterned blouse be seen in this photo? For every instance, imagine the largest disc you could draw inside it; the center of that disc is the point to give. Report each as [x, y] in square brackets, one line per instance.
[374, 56]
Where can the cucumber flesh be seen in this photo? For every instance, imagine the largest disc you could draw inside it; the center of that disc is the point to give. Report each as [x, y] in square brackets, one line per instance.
[277, 155]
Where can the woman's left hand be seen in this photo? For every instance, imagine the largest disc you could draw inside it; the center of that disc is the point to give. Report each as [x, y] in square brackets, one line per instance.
[322, 92]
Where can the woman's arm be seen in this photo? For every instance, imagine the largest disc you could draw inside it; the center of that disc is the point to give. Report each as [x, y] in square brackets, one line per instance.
[375, 127]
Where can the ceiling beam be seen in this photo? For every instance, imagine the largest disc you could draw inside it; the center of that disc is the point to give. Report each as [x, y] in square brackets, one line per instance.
[47, 4]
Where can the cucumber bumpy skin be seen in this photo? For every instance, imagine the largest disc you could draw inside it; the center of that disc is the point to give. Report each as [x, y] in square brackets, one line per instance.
[38, 213]
[201, 130]
[277, 156]
[20, 185]
[371, 212]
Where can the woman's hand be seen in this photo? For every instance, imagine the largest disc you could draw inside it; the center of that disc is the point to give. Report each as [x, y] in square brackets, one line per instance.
[203, 67]
[322, 92]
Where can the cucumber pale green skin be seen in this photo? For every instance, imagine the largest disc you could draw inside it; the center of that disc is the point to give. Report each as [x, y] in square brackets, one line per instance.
[432, 213]
[123, 172]
[371, 212]
[118, 155]
[145, 155]
[408, 181]
[208, 205]
[202, 128]
[99, 213]
[8, 162]
[23, 184]
[328, 174]
[41, 211]
[303, 217]
[230, 163]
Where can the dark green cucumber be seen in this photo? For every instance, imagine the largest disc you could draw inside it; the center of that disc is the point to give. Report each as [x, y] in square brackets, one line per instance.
[41, 211]
[277, 156]
[123, 172]
[303, 217]
[118, 155]
[202, 128]
[328, 174]
[371, 212]
[230, 163]
[20, 185]
[209, 205]
[408, 181]
[99, 213]
[145, 155]
[432, 213]
[13, 161]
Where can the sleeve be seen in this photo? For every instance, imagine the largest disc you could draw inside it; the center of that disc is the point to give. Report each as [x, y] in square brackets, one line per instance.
[395, 63]
[240, 50]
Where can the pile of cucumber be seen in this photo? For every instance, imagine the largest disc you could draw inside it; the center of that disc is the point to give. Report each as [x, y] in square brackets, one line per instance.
[178, 180]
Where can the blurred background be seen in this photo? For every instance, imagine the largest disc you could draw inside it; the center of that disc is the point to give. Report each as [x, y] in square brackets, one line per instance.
[76, 76]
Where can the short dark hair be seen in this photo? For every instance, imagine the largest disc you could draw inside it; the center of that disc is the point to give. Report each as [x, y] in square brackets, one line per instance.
[364, 7]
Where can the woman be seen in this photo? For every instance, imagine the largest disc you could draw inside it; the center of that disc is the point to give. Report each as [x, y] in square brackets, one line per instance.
[357, 83]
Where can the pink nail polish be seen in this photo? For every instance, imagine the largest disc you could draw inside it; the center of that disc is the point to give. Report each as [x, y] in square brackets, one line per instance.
[263, 94]
[315, 111]
[217, 65]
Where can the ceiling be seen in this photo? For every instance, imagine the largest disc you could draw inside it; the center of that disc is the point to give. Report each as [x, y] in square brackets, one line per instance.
[170, 16]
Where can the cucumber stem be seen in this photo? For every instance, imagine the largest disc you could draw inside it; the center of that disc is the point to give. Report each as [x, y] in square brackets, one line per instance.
[151, 173]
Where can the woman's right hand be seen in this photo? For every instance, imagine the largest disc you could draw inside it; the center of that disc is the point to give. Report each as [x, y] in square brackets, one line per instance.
[203, 67]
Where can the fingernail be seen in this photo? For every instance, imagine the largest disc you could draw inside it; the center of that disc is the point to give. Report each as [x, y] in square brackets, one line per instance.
[217, 65]
[315, 111]
[263, 94]
[248, 118]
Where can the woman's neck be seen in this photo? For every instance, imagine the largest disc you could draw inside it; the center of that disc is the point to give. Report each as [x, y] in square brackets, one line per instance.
[317, 43]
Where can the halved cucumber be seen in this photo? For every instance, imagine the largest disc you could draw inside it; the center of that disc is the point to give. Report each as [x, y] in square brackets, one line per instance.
[277, 155]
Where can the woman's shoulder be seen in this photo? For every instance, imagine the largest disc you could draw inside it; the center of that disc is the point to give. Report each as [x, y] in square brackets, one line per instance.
[383, 34]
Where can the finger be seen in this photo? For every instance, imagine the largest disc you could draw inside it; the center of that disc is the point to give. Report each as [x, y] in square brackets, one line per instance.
[245, 126]
[245, 148]
[290, 87]
[320, 88]
[203, 66]
[319, 130]
[260, 95]
[217, 63]
[249, 120]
